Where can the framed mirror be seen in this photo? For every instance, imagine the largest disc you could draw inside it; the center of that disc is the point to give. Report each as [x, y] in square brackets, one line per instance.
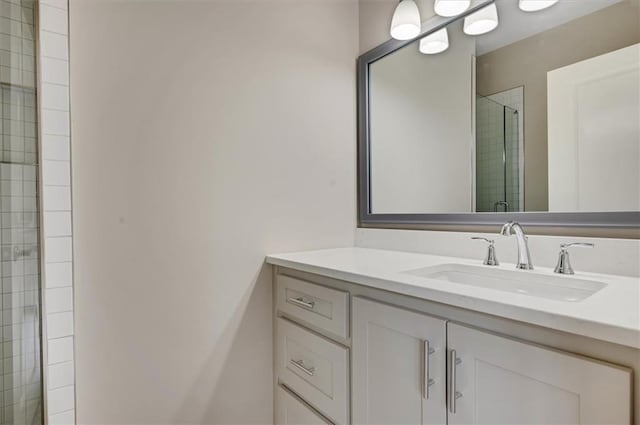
[537, 120]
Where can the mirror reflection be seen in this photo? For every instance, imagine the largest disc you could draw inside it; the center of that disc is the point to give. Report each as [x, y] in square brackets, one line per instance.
[511, 110]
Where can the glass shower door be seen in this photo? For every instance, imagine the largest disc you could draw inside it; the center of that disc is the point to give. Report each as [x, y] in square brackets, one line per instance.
[21, 384]
[497, 157]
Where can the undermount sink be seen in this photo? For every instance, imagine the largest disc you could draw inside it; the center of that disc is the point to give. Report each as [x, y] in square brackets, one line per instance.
[559, 288]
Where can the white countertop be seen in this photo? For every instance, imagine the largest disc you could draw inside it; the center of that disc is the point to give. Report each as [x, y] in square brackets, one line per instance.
[611, 314]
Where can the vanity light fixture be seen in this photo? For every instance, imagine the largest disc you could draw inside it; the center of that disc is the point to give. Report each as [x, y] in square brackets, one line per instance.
[434, 43]
[482, 21]
[449, 8]
[406, 23]
[535, 5]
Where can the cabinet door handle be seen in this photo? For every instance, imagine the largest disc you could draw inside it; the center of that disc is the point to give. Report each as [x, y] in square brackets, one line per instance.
[300, 365]
[426, 381]
[301, 302]
[453, 393]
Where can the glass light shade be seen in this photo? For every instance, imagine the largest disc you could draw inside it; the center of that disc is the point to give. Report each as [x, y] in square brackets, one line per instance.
[405, 23]
[535, 5]
[436, 42]
[482, 21]
[448, 8]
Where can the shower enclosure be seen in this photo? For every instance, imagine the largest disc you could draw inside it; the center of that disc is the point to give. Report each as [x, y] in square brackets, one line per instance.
[21, 384]
[498, 152]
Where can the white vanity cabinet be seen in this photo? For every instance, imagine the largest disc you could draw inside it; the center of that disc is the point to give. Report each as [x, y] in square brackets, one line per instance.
[314, 368]
[478, 377]
[291, 410]
[503, 381]
[350, 354]
[311, 353]
[398, 365]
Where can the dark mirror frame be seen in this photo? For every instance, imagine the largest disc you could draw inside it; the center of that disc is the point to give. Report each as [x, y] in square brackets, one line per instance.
[609, 222]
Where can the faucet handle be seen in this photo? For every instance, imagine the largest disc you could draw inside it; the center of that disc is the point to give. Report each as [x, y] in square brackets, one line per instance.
[566, 246]
[487, 240]
[564, 264]
[491, 259]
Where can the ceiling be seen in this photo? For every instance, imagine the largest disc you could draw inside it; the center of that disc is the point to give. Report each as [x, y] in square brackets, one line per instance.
[517, 25]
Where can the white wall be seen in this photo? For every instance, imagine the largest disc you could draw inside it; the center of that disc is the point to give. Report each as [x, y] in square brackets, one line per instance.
[205, 135]
[375, 20]
[421, 129]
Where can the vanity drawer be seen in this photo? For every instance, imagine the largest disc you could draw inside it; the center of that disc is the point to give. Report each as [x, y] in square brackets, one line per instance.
[314, 368]
[290, 410]
[325, 308]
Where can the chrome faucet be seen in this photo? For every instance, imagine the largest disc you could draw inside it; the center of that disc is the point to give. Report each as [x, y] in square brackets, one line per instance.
[564, 265]
[524, 258]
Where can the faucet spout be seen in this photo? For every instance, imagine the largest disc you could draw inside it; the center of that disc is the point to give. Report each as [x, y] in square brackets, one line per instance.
[524, 257]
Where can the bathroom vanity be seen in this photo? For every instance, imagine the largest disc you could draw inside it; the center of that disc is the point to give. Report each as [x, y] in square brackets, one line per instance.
[370, 336]
[527, 124]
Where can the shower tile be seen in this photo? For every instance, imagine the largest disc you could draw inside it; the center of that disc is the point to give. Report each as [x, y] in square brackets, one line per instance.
[60, 350]
[60, 4]
[11, 43]
[54, 71]
[57, 224]
[10, 10]
[31, 268]
[58, 274]
[58, 249]
[33, 391]
[13, 156]
[54, 45]
[29, 172]
[29, 204]
[59, 300]
[55, 97]
[65, 418]
[29, 189]
[10, 26]
[60, 375]
[60, 400]
[56, 173]
[55, 147]
[27, 32]
[10, 285]
[56, 198]
[59, 324]
[31, 282]
[55, 122]
[53, 19]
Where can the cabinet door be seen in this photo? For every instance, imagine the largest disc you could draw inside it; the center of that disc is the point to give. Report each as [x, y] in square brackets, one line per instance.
[292, 411]
[398, 366]
[503, 381]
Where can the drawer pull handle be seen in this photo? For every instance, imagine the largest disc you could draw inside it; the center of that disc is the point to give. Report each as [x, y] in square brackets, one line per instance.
[454, 360]
[300, 365]
[301, 302]
[426, 380]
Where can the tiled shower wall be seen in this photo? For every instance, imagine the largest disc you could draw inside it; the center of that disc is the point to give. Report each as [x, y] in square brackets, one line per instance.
[514, 99]
[497, 126]
[57, 279]
[20, 398]
[19, 221]
[18, 126]
[18, 82]
[489, 148]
